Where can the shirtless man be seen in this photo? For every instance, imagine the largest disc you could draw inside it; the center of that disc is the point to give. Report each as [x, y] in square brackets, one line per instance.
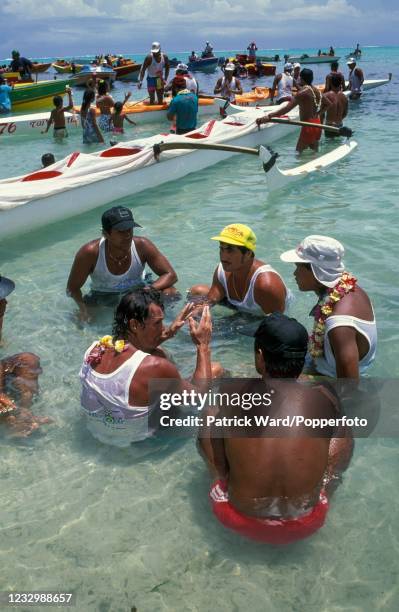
[356, 79]
[157, 66]
[105, 104]
[57, 115]
[245, 282]
[116, 263]
[276, 489]
[116, 375]
[228, 86]
[337, 111]
[18, 376]
[334, 72]
[311, 103]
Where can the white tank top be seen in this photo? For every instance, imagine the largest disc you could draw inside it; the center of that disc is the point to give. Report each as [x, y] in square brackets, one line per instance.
[355, 82]
[326, 365]
[155, 69]
[105, 401]
[225, 89]
[106, 282]
[191, 84]
[285, 86]
[248, 304]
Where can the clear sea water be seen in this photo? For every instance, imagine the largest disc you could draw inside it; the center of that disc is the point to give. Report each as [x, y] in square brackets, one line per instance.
[125, 528]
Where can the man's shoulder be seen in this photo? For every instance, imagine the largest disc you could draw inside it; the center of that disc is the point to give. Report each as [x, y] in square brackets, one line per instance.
[90, 248]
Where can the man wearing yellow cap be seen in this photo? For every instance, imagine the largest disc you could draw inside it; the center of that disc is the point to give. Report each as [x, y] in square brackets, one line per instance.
[245, 282]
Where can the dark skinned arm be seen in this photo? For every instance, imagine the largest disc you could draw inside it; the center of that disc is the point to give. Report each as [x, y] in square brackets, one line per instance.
[346, 353]
[167, 67]
[274, 86]
[158, 263]
[268, 294]
[144, 67]
[84, 263]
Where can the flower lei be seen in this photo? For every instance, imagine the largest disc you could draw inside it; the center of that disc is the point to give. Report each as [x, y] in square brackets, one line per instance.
[98, 350]
[324, 308]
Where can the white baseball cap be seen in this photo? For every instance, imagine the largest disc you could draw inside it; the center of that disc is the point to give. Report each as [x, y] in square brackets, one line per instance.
[288, 66]
[230, 66]
[297, 65]
[155, 47]
[350, 61]
[323, 253]
[181, 67]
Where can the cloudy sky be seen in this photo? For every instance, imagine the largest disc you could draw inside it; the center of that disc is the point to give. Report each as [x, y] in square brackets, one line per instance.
[48, 27]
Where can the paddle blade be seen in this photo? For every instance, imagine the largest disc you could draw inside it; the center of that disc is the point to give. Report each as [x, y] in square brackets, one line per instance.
[345, 131]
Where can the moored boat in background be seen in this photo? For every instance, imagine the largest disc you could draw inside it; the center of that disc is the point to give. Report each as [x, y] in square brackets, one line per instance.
[33, 96]
[204, 64]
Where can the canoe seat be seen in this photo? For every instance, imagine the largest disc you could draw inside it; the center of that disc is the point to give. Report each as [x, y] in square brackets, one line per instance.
[42, 174]
[119, 152]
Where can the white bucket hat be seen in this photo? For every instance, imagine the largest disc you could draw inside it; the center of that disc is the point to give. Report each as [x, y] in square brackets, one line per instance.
[324, 254]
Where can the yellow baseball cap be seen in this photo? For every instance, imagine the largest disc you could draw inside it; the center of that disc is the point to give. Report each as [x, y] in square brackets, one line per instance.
[237, 234]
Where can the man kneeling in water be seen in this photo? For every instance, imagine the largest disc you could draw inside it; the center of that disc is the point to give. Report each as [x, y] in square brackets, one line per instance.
[276, 489]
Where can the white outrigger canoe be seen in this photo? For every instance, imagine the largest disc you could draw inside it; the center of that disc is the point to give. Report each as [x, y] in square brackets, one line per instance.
[81, 182]
[279, 179]
[140, 112]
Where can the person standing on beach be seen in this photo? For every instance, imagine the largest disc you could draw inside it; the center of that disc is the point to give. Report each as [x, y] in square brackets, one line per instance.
[311, 103]
[157, 66]
[245, 282]
[116, 262]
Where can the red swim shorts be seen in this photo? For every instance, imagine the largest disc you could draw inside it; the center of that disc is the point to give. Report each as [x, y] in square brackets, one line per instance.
[270, 531]
[310, 135]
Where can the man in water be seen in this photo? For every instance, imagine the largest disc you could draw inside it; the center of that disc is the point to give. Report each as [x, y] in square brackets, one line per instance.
[356, 79]
[208, 51]
[183, 108]
[338, 109]
[244, 282]
[116, 376]
[5, 91]
[228, 86]
[116, 263]
[191, 82]
[310, 104]
[334, 72]
[295, 75]
[283, 82]
[18, 378]
[157, 66]
[252, 49]
[272, 482]
[47, 159]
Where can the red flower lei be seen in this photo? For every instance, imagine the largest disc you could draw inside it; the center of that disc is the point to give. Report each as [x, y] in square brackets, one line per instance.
[324, 308]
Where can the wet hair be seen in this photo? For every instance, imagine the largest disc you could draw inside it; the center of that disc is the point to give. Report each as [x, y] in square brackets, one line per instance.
[102, 88]
[134, 305]
[334, 66]
[307, 75]
[278, 366]
[47, 159]
[336, 80]
[118, 106]
[88, 98]
[57, 101]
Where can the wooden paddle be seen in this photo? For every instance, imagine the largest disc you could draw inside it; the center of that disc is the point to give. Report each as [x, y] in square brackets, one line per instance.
[169, 146]
[341, 131]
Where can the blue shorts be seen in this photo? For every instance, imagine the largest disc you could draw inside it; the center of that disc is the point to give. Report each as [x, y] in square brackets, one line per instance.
[154, 83]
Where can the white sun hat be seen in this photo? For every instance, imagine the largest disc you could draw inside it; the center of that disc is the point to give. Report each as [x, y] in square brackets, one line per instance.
[323, 253]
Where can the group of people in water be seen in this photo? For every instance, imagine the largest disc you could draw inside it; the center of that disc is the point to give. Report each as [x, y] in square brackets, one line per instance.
[272, 489]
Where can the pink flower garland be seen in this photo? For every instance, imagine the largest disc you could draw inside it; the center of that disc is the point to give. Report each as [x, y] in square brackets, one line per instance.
[324, 308]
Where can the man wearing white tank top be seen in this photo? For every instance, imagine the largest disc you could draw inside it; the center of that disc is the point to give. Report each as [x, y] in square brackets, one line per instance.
[157, 66]
[116, 263]
[283, 82]
[245, 282]
[344, 339]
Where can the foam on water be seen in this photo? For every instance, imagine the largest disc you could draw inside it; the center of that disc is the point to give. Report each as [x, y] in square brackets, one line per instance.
[134, 527]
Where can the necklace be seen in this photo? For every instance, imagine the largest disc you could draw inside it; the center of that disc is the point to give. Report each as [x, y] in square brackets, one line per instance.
[324, 308]
[235, 288]
[118, 260]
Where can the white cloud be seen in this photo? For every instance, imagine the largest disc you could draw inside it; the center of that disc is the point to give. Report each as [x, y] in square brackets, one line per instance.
[69, 8]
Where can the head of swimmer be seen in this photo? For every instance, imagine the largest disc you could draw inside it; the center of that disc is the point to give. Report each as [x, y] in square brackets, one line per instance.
[139, 319]
[280, 347]
[234, 258]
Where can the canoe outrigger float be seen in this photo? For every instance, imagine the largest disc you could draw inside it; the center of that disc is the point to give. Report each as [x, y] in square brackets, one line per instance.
[279, 179]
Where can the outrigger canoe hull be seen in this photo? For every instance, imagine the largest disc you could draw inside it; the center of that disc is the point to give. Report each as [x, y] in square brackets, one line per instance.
[279, 179]
[27, 204]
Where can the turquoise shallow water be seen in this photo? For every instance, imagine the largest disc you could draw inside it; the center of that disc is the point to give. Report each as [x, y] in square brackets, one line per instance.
[134, 527]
